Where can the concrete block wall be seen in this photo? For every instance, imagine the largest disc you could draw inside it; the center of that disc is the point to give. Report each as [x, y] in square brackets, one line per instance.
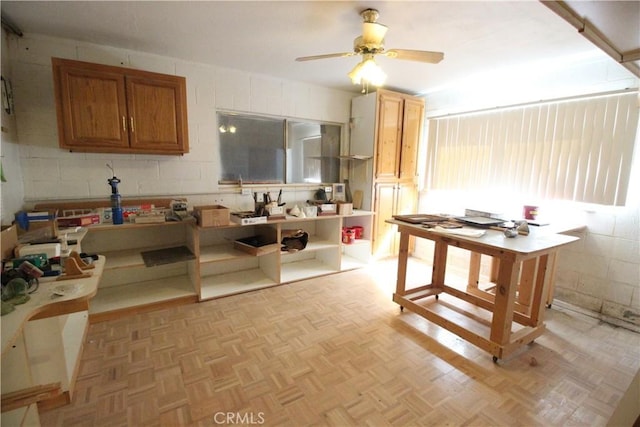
[601, 273]
[52, 173]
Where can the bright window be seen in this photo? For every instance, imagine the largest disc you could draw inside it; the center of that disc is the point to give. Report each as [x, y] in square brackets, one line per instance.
[261, 150]
[577, 149]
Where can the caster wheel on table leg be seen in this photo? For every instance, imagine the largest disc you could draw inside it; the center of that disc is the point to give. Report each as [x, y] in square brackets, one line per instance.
[401, 309]
[495, 359]
[437, 297]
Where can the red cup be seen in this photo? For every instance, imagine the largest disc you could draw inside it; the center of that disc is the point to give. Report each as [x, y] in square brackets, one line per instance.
[530, 212]
[359, 230]
[347, 235]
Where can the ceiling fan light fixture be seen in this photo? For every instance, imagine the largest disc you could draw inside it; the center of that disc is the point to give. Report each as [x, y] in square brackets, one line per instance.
[367, 71]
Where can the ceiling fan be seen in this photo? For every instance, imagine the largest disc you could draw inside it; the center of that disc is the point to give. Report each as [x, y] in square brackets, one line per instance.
[371, 43]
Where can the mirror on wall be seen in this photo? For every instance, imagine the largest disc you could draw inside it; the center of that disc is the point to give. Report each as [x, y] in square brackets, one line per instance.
[313, 152]
[264, 150]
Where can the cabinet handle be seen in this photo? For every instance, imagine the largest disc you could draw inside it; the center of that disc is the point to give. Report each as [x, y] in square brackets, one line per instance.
[124, 123]
[133, 129]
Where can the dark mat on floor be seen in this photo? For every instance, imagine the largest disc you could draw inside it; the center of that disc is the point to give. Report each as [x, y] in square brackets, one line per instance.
[167, 256]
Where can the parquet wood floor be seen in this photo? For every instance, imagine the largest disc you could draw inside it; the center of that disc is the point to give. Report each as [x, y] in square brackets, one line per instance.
[337, 351]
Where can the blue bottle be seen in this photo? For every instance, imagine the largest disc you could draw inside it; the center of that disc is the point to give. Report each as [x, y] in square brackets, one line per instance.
[116, 206]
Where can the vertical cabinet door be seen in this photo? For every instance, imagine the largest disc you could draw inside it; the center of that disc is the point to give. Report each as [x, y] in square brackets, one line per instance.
[411, 133]
[384, 233]
[157, 114]
[389, 136]
[391, 199]
[92, 107]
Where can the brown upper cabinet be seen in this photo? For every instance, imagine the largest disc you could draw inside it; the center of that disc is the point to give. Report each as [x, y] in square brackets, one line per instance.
[107, 109]
[400, 120]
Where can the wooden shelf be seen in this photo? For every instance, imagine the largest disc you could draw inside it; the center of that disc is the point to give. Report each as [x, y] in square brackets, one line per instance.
[116, 298]
[314, 245]
[232, 283]
[129, 225]
[217, 253]
[351, 263]
[304, 269]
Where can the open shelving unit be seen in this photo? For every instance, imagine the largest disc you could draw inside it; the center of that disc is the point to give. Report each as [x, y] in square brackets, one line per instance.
[224, 270]
[219, 268]
[127, 283]
[321, 255]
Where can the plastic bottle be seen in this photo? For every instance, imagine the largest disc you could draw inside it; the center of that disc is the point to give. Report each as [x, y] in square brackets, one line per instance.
[64, 252]
[116, 206]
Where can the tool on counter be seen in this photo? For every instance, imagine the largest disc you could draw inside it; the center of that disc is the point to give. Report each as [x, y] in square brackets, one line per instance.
[116, 201]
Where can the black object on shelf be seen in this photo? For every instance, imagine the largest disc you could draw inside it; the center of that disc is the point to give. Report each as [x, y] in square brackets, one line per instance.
[167, 256]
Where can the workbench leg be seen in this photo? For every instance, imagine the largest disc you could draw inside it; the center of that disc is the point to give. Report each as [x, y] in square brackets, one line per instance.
[439, 264]
[403, 256]
[544, 278]
[504, 302]
[495, 267]
[527, 282]
[551, 270]
[474, 270]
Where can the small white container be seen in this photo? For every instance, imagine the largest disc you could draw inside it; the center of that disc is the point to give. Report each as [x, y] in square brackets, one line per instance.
[310, 211]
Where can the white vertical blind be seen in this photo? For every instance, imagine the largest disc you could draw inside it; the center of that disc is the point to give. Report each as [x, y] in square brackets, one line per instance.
[578, 149]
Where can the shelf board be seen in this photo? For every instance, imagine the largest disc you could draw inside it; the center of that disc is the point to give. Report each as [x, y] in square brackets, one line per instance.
[224, 252]
[351, 263]
[355, 157]
[305, 269]
[111, 227]
[139, 294]
[357, 242]
[315, 245]
[232, 283]
[128, 258]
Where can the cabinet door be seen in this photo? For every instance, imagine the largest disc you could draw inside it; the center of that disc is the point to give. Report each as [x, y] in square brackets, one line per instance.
[389, 135]
[391, 199]
[411, 132]
[157, 109]
[383, 233]
[91, 108]
[406, 199]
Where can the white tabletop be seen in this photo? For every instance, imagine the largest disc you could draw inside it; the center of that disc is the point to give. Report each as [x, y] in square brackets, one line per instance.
[540, 239]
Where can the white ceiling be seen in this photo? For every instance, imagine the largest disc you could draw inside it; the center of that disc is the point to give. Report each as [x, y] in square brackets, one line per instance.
[266, 36]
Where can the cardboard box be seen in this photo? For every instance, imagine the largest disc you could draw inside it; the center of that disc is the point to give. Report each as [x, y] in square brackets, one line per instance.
[345, 208]
[275, 210]
[212, 215]
[37, 228]
[8, 241]
[327, 209]
[243, 220]
[79, 220]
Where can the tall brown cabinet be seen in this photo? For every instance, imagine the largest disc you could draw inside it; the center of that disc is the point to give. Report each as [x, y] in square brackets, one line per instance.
[386, 130]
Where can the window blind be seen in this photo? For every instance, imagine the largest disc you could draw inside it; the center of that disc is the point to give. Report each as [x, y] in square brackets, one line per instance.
[577, 149]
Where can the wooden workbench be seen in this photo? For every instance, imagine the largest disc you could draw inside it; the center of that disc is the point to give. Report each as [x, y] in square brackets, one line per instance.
[500, 320]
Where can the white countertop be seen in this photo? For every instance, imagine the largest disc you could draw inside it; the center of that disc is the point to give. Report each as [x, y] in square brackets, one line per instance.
[44, 301]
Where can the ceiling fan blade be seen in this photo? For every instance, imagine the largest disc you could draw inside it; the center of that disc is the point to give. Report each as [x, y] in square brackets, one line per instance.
[373, 33]
[329, 55]
[415, 55]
